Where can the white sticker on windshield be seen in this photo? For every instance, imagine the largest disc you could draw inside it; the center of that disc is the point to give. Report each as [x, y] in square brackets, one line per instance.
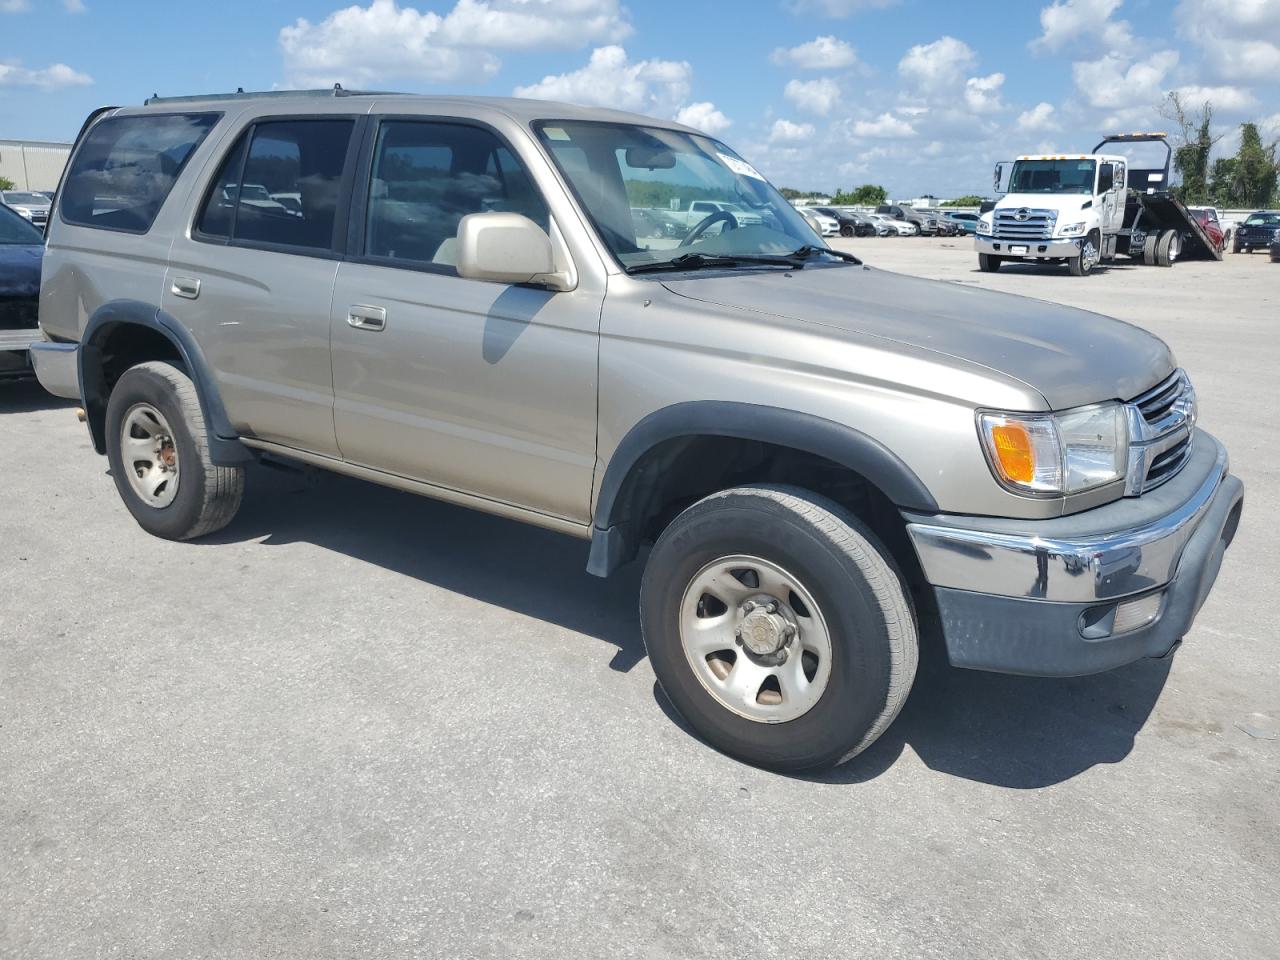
[740, 167]
[555, 133]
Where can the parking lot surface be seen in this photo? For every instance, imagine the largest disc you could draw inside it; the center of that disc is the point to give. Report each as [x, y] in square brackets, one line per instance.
[357, 723]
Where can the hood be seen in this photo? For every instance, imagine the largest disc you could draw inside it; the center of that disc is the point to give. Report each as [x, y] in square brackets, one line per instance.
[1066, 202]
[20, 269]
[1070, 356]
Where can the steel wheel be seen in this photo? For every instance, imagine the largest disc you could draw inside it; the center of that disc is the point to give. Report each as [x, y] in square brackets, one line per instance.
[149, 455]
[755, 638]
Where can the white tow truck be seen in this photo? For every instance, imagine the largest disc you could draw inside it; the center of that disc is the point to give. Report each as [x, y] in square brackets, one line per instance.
[1085, 209]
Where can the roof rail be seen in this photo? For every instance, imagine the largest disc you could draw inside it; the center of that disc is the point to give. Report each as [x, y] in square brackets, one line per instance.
[336, 90]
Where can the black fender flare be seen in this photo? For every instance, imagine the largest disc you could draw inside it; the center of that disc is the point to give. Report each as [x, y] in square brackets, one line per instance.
[612, 541]
[225, 447]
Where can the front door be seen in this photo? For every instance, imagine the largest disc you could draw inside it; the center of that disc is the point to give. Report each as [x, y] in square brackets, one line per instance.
[484, 388]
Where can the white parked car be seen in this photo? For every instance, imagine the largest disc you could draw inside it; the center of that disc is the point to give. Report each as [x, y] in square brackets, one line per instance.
[903, 228]
[824, 225]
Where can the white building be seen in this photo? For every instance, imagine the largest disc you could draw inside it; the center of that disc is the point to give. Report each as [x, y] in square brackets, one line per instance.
[33, 164]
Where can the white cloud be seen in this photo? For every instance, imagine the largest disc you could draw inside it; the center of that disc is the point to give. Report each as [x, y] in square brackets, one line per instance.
[838, 9]
[1116, 82]
[516, 24]
[821, 53]
[982, 94]
[886, 126]
[703, 116]
[1066, 21]
[53, 77]
[1240, 39]
[934, 67]
[813, 96]
[610, 79]
[74, 6]
[785, 131]
[361, 45]
[1224, 98]
[1039, 117]
[15, 6]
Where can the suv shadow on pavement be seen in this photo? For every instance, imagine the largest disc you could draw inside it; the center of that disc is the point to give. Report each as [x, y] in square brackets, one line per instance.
[1017, 732]
[27, 396]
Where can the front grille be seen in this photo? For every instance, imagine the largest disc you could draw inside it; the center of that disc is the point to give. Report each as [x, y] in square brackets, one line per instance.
[1024, 223]
[1161, 426]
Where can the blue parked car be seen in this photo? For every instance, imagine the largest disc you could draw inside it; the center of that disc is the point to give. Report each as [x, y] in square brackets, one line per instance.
[21, 250]
[966, 223]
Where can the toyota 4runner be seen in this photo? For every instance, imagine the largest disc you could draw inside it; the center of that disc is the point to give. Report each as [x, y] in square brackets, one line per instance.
[806, 451]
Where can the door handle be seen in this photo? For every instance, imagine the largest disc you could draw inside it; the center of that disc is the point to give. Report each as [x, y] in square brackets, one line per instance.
[367, 318]
[186, 287]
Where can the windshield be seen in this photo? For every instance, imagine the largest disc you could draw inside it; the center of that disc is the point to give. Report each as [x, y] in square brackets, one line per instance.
[14, 229]
[716, 204]
[1263, 220]
[1052, 176]
[12, 197]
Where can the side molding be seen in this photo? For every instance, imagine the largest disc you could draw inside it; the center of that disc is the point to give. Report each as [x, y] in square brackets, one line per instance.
[225, 447]
[612, 543]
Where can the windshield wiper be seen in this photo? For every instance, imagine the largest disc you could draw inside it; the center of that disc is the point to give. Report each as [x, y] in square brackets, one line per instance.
[697, 261]
[809, 250]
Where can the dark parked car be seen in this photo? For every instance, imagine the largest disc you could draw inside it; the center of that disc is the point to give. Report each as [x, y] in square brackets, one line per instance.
[650, 223]
[1275, 250]
[21, 249]
[945, 227]
[1257, 231]
[851, 225]
[926, 223]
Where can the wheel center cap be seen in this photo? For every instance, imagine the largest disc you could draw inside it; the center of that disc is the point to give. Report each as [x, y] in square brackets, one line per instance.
[764, 633]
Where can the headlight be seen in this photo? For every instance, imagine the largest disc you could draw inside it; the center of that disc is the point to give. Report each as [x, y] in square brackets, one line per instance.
[1073, 229]
[984, 226]
[22, 212]
[1054, 454]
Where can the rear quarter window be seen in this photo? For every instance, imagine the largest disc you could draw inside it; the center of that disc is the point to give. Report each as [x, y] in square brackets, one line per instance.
[125, 167]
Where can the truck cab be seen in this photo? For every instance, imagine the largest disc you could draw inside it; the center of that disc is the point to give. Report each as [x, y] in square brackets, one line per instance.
[1062, 208]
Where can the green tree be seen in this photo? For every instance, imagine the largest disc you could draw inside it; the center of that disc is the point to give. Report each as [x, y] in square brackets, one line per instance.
[790, 193]
[1193, 143]
[867, 195]
[6, 183]
[1249, 178]
[971, 200]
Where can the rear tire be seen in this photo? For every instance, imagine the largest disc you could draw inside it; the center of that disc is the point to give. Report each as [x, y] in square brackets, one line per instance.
[1168, 247]
[1149, 249]
[989, 264]
[158, 448]
[797, 573]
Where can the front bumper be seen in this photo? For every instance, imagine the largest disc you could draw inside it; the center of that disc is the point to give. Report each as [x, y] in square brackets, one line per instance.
[1054, 249]
[57, 367]
[1088, 592]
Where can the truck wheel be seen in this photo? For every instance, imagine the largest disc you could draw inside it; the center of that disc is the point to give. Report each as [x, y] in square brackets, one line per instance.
[989, 264]
[159, 455]
[778, 627]
[1168, 247]
[1149, 249]
[1082, 264]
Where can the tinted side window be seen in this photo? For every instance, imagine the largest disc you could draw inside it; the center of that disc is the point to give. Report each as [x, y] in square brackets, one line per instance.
[427, 176]
[288, 193]
[215, 219]
[126, 166]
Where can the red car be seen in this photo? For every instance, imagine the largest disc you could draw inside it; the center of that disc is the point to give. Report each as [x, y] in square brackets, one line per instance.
[1207, 217]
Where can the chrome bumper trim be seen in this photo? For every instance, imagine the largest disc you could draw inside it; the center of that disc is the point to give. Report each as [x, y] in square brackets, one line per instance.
[57, 367]
[1100, 566]
[1052, 248]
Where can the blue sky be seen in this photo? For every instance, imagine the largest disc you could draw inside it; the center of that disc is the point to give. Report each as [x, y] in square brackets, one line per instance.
[918, 95]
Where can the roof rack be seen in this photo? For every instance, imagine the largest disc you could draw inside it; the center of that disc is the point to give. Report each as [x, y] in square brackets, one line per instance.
[336, 90]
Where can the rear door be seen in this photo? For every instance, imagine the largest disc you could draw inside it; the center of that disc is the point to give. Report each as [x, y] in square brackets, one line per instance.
[484, 388]
[254, 276]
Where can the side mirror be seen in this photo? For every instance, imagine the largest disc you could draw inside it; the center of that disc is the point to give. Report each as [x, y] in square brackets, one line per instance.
[506, 248]
[997, 177]
[1106, 178]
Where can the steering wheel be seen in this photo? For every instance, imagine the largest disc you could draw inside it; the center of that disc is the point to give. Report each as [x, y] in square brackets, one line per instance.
[730, 221]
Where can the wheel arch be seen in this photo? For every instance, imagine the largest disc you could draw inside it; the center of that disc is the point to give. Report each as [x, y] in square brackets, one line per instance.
[121, 333]
[638, 465]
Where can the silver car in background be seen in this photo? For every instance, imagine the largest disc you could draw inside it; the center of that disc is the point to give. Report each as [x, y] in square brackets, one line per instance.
[29, 205]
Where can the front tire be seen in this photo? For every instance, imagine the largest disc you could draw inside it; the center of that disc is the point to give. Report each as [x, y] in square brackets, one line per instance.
[1168, 248]
[988, 264]
[1082, 264]
[846, 230]
[778, 627]
[159, 453]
